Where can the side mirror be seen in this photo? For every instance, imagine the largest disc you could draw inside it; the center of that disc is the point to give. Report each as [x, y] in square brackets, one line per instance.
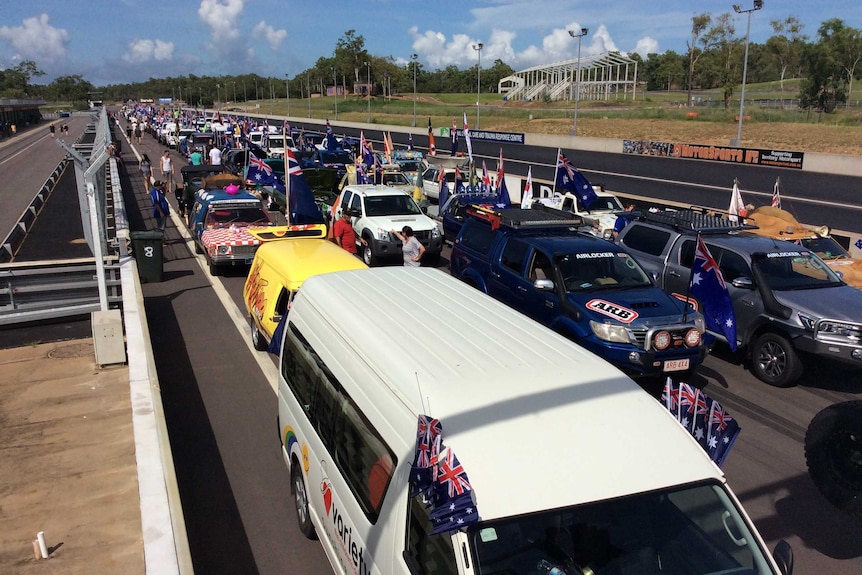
[743, 283]
[783, 556]
[544, 285]
[839, 274]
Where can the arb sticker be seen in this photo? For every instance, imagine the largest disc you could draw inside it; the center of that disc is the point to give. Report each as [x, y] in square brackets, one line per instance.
[613, 310]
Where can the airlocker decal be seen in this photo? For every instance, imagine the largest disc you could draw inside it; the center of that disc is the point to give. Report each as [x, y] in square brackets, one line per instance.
[342, 532]
[613, 310]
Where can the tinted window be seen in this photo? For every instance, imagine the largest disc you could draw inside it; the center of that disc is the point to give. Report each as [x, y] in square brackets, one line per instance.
[477, 236]
[427, 554]
[646, 239]
[357, 450]
[731, 264]
[514, 255]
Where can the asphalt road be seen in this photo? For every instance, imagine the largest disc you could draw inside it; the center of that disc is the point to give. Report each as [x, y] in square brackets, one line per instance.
[221, 413]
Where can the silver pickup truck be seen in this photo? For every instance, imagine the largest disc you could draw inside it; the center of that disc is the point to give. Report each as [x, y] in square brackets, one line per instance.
[786, 300]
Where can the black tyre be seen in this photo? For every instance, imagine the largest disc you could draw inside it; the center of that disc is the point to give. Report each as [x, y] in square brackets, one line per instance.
[368, 256]
[833, 451]
[257, 338]
[774, 360]
[431, 260]
[300, 499]
[198, 249]
[214, 269]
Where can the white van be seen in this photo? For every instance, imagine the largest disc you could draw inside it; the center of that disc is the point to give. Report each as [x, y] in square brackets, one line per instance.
[573, 468]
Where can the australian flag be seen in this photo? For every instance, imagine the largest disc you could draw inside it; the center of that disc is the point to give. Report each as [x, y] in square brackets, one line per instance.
[708, 286]
[443, 194]
[301, 207]
[331, 144]
[568, 178]
[423, 474]
[262, 174]
[703, 417]
[454, 504]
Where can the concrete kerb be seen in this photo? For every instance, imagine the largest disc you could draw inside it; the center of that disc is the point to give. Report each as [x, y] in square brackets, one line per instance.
[166, 547]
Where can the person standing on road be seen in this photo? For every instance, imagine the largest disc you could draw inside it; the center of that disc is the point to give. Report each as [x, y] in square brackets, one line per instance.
[146, 167]
[161, 208]
[167, 170]
[196, 158]
[344, 234]
[52, 129]
[138, 132]
[215, 156]
[411, 248]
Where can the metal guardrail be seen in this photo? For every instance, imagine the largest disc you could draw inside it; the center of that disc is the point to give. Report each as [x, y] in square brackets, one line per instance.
[33, 291]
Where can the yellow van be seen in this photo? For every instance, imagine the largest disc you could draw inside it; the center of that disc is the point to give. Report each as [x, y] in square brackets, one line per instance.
[276, 274]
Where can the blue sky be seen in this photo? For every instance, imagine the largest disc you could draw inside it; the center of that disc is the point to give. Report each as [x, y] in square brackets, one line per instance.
[119, 41]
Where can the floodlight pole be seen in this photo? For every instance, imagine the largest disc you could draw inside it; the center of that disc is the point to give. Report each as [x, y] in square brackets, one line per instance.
[478, 47]
[758, 4]
[578, 35]
[413, 58]
[368, 118]
[287, 92]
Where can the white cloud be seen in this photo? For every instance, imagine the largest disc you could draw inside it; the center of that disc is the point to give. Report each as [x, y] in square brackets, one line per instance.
[141, 51]
[646, 46]
[36, 39]
[272, 36]
[221, 16]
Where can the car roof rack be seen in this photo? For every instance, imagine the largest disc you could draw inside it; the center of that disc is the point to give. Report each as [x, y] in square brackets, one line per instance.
[697, 219]
[538, 216]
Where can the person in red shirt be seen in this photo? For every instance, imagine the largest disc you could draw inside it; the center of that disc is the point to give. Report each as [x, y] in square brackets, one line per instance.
[344, 234]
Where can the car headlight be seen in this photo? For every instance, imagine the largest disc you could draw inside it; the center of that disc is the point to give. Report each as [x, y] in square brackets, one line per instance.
[807, 322]
[699, 324]
[382, 235]
[435, 232]
[610, 332]
[223, 250]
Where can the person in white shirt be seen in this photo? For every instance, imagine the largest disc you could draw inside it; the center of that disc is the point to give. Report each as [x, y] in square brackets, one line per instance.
[167, 171]
[215, 156]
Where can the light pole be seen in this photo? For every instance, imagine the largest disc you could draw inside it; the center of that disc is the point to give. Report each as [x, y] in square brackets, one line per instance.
[218, 92]
[234, 91]
[413, 58]
[308, 90]
[287, 91]
[758, 4]
[244, 97]
[368, 67]
[478, 47]
[335, 91]
[577, 35]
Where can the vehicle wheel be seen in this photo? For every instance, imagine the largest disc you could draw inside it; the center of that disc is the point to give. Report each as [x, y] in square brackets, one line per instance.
[257, 338]
[198, 249]
[774, 360]
[431, 260]
[300, 499]
[833, 451]
[368, 255]
[214, 269]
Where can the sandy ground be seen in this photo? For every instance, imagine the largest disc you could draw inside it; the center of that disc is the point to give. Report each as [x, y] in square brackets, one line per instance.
[68, 463]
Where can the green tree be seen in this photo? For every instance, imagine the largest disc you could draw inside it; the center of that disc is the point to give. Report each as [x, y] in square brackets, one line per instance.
[786, 45]
[350, 54]
[721, 37]
[70, 88]
[699, 24]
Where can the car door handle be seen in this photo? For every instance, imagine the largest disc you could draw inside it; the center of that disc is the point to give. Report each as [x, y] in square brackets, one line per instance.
[522, 289]
[673, 274]
[495, 275]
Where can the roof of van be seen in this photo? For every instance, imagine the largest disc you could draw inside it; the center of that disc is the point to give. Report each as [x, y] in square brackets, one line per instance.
[306, 257]
[537, 421]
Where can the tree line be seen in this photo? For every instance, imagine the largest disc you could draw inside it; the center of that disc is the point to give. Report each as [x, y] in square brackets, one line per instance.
[714, 58]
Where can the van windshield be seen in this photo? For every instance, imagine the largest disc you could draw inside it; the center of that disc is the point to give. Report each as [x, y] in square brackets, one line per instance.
[688, 530]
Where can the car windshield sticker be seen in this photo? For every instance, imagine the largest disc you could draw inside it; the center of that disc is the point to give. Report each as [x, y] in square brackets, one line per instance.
[786, 254]
[613, 310]
[591, 255]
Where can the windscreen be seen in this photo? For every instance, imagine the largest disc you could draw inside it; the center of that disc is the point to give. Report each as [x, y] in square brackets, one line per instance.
[391, 206]
[827, 248]
[686, 531]
[596, 271]
[794, 270]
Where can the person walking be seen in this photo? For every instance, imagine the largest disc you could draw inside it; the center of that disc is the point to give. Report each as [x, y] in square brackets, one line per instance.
[161, 208]
[411, 248]
[167, 170]
[215, 156]
[138, 132]
[52, 129]
[146, 167]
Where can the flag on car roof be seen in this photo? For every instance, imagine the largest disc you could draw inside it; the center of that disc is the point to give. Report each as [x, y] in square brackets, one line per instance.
[467, 139]
[708, 286]
[365, 150]
[443, 194]
[432, 149]
[703, 417]
[527, 197]
[737, 206]
[301, 207]
[569, 178]
[503, 198]
[776, 195]
[331, 144]
[486, 178]
[458, 181]
[410, 142]
[262, 173]
[454, 137]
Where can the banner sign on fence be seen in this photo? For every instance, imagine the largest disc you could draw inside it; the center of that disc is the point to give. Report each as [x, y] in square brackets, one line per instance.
[502, 137]
[730, 154]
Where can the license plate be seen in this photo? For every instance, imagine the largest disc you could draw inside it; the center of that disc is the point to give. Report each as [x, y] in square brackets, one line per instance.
[675, 365]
